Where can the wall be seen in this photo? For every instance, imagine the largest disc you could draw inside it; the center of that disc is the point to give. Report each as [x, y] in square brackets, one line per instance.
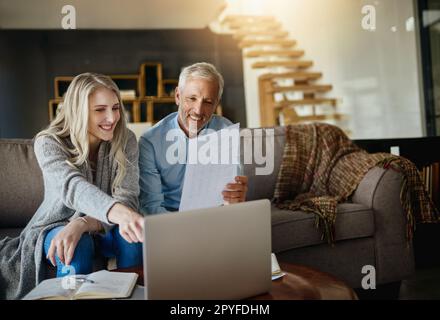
[109, 14]
[29, 61]
[23, 85]
[373, 73]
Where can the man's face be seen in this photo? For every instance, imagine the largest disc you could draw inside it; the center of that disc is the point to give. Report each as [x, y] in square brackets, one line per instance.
[197, 102]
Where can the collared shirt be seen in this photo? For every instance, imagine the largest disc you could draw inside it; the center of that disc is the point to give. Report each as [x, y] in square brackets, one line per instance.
[160, 181]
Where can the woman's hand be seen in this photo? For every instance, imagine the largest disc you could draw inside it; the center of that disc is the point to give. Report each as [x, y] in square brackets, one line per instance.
[64, 243]
[131, 223]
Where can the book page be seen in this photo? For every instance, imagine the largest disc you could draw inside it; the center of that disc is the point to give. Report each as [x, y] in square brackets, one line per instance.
[50, 289]
[213, 161]
[107, 285]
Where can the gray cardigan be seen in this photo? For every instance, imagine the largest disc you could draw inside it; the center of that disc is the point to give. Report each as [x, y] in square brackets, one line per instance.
[68, 192]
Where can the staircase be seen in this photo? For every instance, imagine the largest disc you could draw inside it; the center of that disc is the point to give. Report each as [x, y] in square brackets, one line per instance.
[288, 92]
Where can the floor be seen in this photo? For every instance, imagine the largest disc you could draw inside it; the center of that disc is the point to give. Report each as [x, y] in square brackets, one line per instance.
[423, 285]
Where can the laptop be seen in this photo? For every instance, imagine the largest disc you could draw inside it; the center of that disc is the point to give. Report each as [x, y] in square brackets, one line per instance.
[216, 253]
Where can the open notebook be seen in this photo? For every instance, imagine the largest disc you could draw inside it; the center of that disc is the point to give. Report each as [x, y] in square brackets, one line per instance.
[99, 285]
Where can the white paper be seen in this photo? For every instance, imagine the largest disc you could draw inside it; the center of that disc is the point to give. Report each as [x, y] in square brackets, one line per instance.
[206, 176]
[276, 270]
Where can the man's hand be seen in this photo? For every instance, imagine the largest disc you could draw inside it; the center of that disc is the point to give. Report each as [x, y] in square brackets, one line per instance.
[236, 192]
[64, 243]
[131, 223]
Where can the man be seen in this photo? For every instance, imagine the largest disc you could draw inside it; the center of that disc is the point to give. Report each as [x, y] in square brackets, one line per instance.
[197, 96]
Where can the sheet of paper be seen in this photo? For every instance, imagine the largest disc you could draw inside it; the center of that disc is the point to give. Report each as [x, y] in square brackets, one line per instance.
[274, 277]
[213, 161]
[276, 270]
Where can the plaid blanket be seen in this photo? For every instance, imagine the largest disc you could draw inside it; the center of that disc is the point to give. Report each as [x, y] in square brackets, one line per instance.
[322, 167]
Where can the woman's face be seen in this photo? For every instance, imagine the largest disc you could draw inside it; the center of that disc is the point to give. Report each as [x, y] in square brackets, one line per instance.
[104, 114]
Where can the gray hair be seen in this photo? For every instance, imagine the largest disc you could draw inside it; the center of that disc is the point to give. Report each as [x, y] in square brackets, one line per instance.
[202, 70]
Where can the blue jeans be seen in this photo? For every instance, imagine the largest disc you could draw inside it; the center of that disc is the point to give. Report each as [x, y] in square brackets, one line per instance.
[110, 245]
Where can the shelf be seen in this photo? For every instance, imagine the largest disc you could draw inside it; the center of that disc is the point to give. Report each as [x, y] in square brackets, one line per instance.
[168, 87]
[130, 82]
[132, 109]
[53, 105]
[151, 79]
[149, 97]
[154, 109]
[60, 85]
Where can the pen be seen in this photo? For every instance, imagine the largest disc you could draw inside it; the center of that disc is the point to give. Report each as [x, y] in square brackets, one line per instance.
[85, 280]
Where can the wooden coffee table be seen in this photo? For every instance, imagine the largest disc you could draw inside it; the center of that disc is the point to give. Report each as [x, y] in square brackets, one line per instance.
[305, 283]
[299, 283]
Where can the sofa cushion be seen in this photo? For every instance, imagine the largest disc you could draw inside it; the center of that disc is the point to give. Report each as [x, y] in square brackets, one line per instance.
[21, 183]
[262, 186]
[296, 229]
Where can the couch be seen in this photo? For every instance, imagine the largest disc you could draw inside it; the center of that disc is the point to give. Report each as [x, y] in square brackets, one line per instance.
[370, 227]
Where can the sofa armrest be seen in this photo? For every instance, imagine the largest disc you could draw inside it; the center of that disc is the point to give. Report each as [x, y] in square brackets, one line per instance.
[380, 191]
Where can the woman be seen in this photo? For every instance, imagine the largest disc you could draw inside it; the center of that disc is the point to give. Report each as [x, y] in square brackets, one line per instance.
[89, 161]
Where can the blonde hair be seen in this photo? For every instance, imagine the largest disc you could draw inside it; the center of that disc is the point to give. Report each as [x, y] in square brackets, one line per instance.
[72, 122]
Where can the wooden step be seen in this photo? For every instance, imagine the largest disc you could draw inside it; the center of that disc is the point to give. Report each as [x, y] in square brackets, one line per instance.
[255, 25]
[316, 101]
[257, 28]
[272, 42]
[303, 88]
[286, 64]
[274, 53]
[298, 75]
[240, 18]
[260, 33]
[317, 117]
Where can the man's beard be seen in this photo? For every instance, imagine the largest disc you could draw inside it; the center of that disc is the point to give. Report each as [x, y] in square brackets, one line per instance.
[190, 124]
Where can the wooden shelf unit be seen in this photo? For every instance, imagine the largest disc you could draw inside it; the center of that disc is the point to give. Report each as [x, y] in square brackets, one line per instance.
[153, 96]
[151, 85]
[168, 87]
